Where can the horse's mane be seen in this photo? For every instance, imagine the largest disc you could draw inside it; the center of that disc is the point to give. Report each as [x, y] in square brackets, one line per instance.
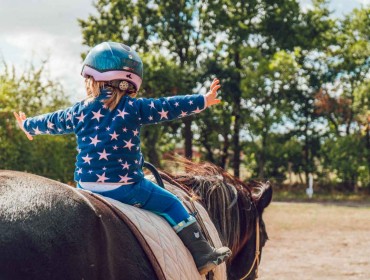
[229, 201]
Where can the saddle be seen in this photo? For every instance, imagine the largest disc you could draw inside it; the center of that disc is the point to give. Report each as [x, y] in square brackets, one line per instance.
[168, 255]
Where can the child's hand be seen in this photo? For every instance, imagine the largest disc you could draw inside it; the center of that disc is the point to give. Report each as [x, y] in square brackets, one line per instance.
[20, 118]
[211, 96]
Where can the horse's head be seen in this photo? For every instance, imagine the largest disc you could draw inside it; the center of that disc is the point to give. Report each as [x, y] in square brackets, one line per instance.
[244, 263]
[236, 209]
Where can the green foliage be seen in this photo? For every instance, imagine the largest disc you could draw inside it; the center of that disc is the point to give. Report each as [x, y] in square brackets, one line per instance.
[292, 80]
[295, 87]
[33, 93]
[347, 158]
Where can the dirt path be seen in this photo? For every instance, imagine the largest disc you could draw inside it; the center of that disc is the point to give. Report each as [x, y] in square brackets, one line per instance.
[310, 241]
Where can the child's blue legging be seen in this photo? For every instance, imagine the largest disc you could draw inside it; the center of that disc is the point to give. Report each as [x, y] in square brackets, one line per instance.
[148, 195]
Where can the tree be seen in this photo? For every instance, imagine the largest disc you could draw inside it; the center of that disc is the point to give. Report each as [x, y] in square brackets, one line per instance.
[173, 27]
[33, 93]
[344, 101]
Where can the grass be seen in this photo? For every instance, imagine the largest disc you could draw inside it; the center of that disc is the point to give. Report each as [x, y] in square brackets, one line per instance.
[319, 196]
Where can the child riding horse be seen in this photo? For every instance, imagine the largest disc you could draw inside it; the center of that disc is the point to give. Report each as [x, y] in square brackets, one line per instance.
[107, 126]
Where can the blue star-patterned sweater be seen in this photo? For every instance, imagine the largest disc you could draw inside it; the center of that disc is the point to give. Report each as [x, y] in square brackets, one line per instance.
[109, 141]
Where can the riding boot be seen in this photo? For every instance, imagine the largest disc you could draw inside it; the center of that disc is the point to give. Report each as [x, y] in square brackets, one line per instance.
[205, 256]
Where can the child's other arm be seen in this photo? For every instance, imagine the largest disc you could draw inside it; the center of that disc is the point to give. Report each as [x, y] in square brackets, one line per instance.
[59, 122]
[169, 108]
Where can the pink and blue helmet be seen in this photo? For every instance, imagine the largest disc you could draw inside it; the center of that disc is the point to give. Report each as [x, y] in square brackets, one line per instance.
[110, 61]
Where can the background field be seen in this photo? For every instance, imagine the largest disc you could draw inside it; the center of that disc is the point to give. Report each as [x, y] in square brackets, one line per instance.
[317, 241]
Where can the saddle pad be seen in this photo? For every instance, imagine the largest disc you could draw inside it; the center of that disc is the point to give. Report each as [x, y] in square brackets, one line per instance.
[173, 257]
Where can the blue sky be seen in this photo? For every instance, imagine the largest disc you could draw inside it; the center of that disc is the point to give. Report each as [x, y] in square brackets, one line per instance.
[33, 30]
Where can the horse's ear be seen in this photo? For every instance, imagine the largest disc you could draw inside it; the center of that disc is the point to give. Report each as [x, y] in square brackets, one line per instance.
[265, 199]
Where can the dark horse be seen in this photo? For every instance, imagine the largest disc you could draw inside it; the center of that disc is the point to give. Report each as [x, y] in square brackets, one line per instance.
[52, 231]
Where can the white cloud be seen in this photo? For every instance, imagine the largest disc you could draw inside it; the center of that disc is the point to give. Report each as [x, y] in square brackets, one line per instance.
[55, 17]
[62, 53]
[32, 31]
[363, 2]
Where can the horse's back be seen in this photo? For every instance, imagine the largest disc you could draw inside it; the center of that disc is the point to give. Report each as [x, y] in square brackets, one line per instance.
[50, 231]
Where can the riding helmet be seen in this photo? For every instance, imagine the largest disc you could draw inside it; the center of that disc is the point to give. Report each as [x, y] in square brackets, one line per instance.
[115, 63]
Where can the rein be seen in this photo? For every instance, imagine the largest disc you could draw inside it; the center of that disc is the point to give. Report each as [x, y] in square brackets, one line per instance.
[256, 260]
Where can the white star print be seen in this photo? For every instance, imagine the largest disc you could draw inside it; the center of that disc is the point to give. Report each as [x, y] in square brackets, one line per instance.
[90, 171]
[190, 102]
[102, 178]
[177, 104]
[163, 114]
[94, 140]
[124, 179]
[115, 147]
[69, 117]
[97, 115]
[183, 114]
[131, 103]
[96, 127]
[103, 155]
[150, 118]
[124, 129]
[48, 131]
[114, 136]
[128, 144]
[81, 117]
[125, 165]
[122, 113]
[50, 125]
[37, 131]
[83, 138]
[79, 171]
[87, 159]
[151, 105]
[120, 160]
[136, 132]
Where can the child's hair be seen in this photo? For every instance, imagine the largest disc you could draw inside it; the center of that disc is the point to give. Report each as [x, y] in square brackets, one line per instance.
[93, 90]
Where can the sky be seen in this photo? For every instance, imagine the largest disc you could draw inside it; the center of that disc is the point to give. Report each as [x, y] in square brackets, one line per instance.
[35, 30]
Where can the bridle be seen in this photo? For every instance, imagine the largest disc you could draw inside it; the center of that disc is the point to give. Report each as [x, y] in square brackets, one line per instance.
[256, 260]
[189, 201]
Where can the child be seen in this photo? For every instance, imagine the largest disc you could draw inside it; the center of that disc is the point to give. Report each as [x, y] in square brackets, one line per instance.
[107, 126]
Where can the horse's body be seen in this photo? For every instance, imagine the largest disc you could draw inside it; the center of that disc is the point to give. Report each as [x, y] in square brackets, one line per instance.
[51, 231]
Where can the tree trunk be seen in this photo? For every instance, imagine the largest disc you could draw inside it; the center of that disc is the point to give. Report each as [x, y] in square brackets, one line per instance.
[206, 144]
[188, 136]
[236, 114]
[262, 157]
[225, 151]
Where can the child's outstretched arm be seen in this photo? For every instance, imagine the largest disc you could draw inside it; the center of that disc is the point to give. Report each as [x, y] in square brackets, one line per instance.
[59, 122]
[169, 108]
